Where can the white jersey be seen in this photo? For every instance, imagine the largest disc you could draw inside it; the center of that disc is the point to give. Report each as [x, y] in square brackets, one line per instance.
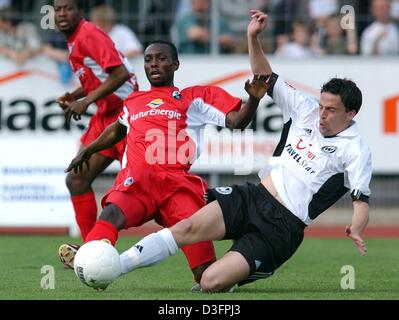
[311, 172]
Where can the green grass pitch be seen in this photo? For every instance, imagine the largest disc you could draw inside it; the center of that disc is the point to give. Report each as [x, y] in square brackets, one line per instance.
[313, 273]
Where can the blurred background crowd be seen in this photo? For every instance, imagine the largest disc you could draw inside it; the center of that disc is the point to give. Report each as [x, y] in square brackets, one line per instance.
[297, 28]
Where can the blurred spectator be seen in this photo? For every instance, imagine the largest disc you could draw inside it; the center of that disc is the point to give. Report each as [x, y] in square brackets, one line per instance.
[19, 41]
[5, 4]
[395, 10]
[56, 49]
[382, 36]
[337, 41]
[156, 19]
[125, 39]
[195, 30]
[299, 46]
[236, 14]
[320, 11]
[284, 12]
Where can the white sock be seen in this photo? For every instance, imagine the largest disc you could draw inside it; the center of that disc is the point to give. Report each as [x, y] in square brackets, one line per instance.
[152, 249]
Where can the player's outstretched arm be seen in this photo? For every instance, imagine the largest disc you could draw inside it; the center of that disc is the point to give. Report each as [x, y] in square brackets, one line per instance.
[256, 90]
[257, 58]
[110, 136]
[360, 219]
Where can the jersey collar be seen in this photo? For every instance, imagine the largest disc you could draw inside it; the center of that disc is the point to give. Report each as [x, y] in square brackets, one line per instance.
[351, 131]
[72, 37]
[168, 89]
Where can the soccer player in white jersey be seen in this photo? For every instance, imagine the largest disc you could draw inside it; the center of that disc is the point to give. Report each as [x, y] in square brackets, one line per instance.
[320, 156]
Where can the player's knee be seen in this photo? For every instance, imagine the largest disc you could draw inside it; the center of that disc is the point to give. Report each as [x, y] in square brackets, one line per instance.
[76, 184]
[210, 281]
[181, 229]
[113, 215]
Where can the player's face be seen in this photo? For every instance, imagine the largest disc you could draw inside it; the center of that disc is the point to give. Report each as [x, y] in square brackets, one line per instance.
[333, 116]
[159, 65]
[66, 15]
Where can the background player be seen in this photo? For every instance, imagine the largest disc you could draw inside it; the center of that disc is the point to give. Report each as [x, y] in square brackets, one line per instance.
[163, 128]
[319, 158]
[106, 79]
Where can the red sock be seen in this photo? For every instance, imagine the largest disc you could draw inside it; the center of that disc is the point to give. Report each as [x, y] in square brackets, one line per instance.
[85, 212]
[103, 230]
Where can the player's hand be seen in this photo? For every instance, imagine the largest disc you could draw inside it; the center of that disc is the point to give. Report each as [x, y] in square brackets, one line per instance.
[75, 109]
[77, 163]
[64, 99]
[257, 88]
[357, 240]
[257, 24]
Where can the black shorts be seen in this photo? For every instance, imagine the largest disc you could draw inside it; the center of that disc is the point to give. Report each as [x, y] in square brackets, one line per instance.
[265, 232]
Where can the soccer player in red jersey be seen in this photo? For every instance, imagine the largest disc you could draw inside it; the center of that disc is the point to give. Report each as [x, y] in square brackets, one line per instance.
[163, 127]
[106, 79]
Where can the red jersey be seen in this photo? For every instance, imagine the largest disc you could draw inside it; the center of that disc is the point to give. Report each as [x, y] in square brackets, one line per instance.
[91, 54]
[164, 124]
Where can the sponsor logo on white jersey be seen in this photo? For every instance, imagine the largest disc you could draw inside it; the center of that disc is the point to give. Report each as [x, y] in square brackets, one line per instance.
[329, 149]
[304, 160]
[308, 131]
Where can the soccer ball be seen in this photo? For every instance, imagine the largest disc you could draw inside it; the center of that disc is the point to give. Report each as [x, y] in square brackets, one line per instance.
[97, 264]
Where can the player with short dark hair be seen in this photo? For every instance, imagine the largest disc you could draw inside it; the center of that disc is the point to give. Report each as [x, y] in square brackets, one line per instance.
[319, 158]
[163, 128]
[106, 79]
[349, 93]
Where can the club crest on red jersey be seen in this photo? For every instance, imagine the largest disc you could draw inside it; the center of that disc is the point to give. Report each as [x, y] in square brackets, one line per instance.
[129, 181]
[155, 103]
[176, 95]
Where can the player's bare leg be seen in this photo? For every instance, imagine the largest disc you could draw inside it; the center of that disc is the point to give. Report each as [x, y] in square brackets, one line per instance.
[82, 195]
[225, 273]
[199, 271]
[80, 183]
[113, 214]
[187, 227]
[206, 224]
[79, 186]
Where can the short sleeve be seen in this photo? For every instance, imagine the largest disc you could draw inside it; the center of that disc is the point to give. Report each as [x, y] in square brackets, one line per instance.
[210, 105]
[124, 117]
[358, 172]
[292, 102]
[101, 48]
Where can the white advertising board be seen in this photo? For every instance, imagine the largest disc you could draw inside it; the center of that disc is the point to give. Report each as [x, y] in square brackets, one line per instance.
[37, 144]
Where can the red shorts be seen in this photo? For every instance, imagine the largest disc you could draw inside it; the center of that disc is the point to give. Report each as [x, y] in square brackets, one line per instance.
[98, 123]
[166, 196]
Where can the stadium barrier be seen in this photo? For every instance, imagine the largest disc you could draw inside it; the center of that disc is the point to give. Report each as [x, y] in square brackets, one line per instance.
[37, 144]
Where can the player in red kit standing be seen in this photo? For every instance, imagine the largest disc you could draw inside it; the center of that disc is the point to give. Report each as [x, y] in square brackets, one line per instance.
[106, 79]
[163, 126]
